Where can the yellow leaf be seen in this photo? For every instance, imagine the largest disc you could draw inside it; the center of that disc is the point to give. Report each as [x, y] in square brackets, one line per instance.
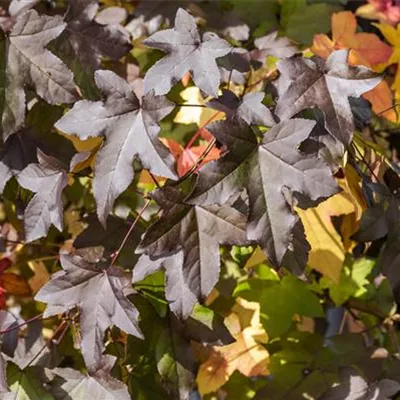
[327, 250]
[90, 146]
[246, 354]
[392, 35]
[40, 277]
[194, 115]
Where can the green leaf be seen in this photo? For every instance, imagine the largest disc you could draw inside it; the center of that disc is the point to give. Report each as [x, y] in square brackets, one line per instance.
[301, 22]
[175, 359]
[281, 301]
[25, 384]
[352, 281]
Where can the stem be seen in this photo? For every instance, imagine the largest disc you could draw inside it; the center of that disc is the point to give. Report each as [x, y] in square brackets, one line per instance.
[198, 162]
[59, 328]
[388, 109]
[13, 328]
[367, 164]
[197, 134]
[365, 307]
[153, 178]
[116, 255]
[191, 105]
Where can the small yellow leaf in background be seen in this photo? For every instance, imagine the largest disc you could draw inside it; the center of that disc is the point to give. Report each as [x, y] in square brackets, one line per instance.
[195, 115]
[87, 150]
[245, 355]
[40, 277]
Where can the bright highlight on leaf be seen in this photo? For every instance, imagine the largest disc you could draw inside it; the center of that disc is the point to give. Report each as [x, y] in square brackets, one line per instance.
[247, 355]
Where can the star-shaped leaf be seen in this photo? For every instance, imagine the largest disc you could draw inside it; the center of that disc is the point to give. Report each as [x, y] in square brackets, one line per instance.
[196, 231]
[187, 52]
[100, 384]
[326, 85]
[250, 108]
[45, 208]
[27, 62]
[274, 173]
[97, 290]
[130, 129]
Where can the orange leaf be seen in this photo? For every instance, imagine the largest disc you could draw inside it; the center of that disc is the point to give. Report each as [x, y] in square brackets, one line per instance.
[15, 284]
[186, 158]
[381, 99]
[365, 48]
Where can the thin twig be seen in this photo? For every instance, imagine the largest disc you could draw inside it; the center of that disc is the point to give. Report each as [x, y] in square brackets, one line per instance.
[59, 329]
[366, 163]
[199, 161]
[198, 132]
[388, 109]
[191, 105]
[153, 178]
[27, 322]
[117, 253]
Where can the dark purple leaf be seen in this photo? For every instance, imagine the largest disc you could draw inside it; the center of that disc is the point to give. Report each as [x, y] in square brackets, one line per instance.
[29, 63]
[86, 40]
[273, 173]
[196, 231]
[18, 151]
[326, 85]
[249, 108]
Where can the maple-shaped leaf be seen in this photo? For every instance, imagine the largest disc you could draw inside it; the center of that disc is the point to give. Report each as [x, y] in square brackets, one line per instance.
[354, 387]
[29, 63]
[97, 290]
[250, 108]
[364, 48]
[130, 128]
[45, 208]
[187, 52]
[18, 151]
[190, 236]
[69, 383]
[326, 85]
[273, 173]
[272, 45]
[82, 33]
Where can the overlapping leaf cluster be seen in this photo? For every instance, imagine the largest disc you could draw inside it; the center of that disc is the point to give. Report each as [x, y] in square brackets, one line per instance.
[187, 191]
